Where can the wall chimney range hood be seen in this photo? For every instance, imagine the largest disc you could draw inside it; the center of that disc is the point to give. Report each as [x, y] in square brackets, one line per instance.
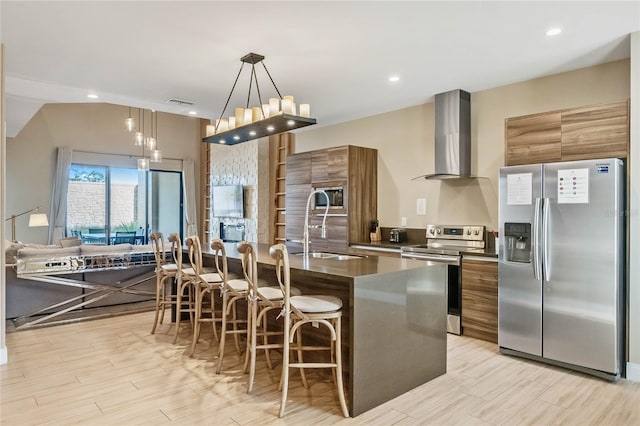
[452, 136]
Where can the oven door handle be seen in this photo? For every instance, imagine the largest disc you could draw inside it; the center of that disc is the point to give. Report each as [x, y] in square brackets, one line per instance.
[449, 260]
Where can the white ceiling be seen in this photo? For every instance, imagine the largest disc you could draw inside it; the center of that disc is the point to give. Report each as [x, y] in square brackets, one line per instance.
[336, 55]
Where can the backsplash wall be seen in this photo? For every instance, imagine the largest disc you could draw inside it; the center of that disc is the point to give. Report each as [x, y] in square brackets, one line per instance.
[242, 164]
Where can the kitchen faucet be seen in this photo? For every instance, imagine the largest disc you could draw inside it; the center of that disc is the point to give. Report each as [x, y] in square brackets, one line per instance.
[323, 227]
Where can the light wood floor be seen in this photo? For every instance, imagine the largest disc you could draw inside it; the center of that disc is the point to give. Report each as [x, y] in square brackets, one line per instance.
[113, 372]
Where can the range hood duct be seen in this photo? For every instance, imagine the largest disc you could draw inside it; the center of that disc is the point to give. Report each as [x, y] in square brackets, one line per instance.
[452, 136]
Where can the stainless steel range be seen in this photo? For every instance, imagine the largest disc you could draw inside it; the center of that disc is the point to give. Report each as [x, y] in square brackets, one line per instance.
[445, 244]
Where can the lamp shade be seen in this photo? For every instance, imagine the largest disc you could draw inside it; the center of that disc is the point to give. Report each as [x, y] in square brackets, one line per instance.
[38, 219]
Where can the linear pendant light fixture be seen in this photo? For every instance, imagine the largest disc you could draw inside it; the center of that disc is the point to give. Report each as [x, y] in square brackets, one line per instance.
[279, 115]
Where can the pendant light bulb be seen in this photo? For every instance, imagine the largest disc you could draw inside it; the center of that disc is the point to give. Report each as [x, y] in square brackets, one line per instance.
[129, 124]
[156, 156]
[138, 139]
[143, 164]
[151, 143]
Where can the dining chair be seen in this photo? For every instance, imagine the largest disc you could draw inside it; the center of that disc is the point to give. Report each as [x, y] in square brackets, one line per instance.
[124, 237]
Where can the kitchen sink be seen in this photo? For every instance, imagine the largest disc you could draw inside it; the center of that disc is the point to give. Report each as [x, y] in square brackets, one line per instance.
[347, 257]
[334, 256]
[319, 255]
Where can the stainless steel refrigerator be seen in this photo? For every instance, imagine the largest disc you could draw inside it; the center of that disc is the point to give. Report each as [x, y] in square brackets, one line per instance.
[562, 264]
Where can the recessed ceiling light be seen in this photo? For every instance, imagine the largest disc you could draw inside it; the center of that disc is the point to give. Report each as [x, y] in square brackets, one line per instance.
[92, 96]
[394, 79]
[290, 123]
[193, 112]
[553, 31]
[223, 141]
[252, 133]
[236, 138]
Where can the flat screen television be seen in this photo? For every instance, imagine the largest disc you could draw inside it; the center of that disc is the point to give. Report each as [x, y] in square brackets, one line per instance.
[228, 201]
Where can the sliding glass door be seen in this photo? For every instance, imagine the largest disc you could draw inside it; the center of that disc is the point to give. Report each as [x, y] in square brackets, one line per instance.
[164, 201]
[110, 205]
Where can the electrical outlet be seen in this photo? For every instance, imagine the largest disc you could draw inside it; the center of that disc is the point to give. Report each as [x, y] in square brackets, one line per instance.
[421, 206]
[403, 221]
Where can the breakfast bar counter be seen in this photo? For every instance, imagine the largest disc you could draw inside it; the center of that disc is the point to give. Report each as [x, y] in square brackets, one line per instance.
[394, 317]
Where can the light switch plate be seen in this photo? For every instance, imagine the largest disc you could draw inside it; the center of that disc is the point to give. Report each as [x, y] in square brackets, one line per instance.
[421, 206]
[403, 221]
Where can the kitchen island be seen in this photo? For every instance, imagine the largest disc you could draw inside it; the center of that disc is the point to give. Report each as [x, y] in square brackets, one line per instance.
[394, 317]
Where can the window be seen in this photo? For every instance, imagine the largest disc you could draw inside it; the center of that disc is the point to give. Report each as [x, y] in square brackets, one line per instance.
[105, 200]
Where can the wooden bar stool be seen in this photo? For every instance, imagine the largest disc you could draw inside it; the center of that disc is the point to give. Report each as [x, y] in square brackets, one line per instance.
[165, 273]
[205, 284]
[300, 310]
[184, 298]
[260, 301]
[233, 290]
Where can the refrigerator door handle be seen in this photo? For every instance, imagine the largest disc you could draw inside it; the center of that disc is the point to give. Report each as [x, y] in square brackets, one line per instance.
[545, 239]
[536, 239]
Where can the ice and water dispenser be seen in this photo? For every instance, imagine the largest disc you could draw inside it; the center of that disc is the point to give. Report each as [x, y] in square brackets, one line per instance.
[517, 242]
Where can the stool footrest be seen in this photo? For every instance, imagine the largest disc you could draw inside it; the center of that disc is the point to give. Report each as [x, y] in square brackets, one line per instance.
[312, 365]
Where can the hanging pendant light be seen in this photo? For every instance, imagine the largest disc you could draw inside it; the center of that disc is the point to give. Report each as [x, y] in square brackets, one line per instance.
[143, 164]
[129, 123]
[278, 116]
[156, 154]
[138, 138]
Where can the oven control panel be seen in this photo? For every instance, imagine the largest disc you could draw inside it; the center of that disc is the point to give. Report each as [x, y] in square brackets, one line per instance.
[456, 232]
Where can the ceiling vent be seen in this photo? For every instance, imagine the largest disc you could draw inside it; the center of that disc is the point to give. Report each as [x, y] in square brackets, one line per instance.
[181, 102]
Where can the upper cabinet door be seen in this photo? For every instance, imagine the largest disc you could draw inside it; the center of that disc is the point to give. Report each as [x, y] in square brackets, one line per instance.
[596, 131]
[329, 165]
[299, 168]
[533, 139]
[585, 133]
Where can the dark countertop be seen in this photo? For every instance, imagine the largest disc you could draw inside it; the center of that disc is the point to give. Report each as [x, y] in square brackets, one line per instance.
[481, 253]
[387, 246]
[351, 268]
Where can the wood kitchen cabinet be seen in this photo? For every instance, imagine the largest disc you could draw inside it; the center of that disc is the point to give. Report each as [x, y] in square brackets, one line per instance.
[599, 131]
[595, 131]
[533, 139]
[352, 167]
[298, 168]
[480, 298]
[330, 165]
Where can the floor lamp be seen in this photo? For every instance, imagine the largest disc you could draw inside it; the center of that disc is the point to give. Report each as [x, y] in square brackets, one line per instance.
[36, 219]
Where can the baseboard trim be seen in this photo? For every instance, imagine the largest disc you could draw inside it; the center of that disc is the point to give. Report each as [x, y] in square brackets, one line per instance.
[3, 356]
[633, 372]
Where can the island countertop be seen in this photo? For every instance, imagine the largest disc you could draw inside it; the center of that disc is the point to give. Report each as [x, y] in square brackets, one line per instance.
[350, 268]
[394, 332]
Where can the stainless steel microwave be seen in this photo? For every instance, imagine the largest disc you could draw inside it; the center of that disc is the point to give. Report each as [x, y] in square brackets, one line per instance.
[336, 198]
